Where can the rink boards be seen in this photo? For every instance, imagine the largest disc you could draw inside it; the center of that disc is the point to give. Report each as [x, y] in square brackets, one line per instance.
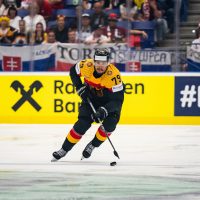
[150, 98]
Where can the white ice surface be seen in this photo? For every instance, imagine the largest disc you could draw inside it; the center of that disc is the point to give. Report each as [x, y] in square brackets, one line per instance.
[156, 162]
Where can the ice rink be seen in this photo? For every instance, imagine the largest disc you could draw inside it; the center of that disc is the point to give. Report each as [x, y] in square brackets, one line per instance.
[156, 163]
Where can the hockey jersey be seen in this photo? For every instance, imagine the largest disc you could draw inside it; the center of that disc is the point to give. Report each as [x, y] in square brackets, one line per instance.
[106, 90]
[110, 80]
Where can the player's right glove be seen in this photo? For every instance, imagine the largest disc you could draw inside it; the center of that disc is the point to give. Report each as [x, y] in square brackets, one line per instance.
[100, 114]
[84, 93]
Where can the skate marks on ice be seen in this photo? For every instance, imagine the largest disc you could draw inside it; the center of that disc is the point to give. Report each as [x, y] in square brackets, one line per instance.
[37, 185]
[157, 162]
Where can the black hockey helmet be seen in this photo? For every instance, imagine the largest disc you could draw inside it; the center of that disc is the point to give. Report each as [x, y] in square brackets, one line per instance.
[102, 54]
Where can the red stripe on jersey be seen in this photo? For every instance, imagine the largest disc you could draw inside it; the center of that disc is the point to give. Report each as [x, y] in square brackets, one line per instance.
[110, 89]
[74, 134]
[93, 84]
[102, 133]
[96, 85]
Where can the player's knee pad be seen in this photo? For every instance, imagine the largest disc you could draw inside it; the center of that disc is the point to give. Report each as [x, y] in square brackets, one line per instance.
[110, 122]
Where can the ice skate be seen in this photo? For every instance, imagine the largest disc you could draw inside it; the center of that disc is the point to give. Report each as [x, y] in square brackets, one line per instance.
[58, 155]
[87, 151]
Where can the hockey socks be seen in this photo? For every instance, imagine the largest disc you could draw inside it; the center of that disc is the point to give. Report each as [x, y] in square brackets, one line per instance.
[72, 138]
[100, 136]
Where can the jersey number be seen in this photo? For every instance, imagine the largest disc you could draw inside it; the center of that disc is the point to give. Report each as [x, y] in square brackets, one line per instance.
[116, 78]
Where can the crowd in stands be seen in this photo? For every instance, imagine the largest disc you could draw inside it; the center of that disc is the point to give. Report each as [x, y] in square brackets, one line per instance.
[96, 21]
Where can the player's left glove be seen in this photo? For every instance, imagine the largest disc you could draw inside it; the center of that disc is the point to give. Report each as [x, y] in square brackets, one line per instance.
[84, 93]
[100, 114]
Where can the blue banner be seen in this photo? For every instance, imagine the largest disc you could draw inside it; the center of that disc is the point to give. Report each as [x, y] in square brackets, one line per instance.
[27, 58]
[187, 96]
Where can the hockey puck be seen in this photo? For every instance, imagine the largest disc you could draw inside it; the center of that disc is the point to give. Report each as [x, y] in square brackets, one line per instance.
[113, 163]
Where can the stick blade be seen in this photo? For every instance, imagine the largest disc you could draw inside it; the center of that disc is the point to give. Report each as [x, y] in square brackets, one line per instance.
[116, 154]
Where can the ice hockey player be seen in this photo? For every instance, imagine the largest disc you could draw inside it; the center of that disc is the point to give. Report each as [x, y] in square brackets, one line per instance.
[104, 87]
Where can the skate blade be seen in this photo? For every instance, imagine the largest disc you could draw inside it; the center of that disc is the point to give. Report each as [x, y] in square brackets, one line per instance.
[54, 160]
[82, 158]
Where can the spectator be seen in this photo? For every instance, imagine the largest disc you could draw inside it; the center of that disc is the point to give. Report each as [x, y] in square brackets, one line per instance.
[151, 12]
[11, 3]
[94, 1]
[14, 19]
[33, 18]
[196, 42]
[2, 7]
[112, 31]
[112, 4]
[161, 23]
[47, 7]
[167, 8]
[86, 5]
[139, 32]
[75, 22]
[139, 17]
[72, 36]
[20, 35]
[25, 4]
[38, 36]
[61, 30]
[97, 37]
[56, 4]
[18, 3]
[51, 37]
[139, 3]
[6, 31]
[145, 10]
[184, 10]
[86, 29]
[98, 17]
[135, 38]
[128, 10]
[196, 31]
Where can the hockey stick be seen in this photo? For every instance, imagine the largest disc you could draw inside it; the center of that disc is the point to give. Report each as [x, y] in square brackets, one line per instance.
[94, 111]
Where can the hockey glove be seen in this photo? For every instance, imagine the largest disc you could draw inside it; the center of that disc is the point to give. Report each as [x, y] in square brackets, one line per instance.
[84, 93]
[100, 114]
